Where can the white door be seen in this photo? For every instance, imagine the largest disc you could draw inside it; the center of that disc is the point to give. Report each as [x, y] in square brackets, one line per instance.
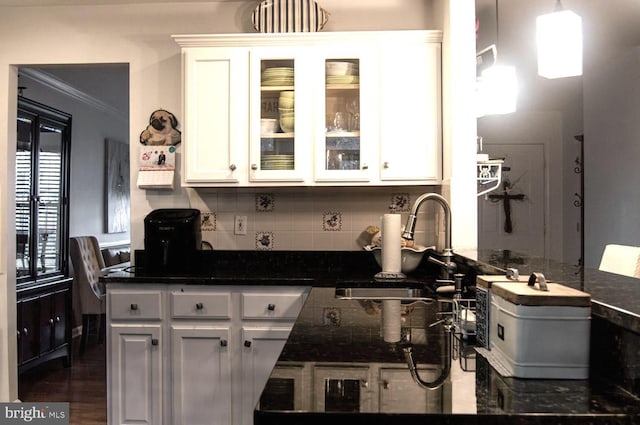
[261, 347]
[512, 217]
[135, 393]
[201, 375]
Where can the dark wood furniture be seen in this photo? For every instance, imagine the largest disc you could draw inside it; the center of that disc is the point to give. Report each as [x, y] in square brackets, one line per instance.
[44, 323]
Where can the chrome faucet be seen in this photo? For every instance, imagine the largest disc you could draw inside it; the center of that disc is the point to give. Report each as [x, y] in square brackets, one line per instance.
[448, 266]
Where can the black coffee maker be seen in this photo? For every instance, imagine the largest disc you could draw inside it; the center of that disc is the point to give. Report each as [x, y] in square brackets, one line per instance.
[172, 239]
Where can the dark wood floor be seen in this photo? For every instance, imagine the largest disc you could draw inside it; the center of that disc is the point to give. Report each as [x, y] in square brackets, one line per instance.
[83, 385]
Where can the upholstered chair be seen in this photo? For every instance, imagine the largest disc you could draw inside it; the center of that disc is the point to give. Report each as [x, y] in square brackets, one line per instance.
[87, 262]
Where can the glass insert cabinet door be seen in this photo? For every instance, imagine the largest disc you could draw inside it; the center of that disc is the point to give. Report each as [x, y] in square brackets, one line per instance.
[280, 128]
[348, 111]
[42, 162]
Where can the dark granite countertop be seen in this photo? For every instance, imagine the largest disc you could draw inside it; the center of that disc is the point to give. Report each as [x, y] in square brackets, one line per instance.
[614, 297]
[475, 393]
[336, 367]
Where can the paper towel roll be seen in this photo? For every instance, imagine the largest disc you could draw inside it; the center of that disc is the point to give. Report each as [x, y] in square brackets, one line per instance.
[391, 319]
[391, 241]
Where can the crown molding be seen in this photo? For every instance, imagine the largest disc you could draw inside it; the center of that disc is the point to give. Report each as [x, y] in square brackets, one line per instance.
[56, 84]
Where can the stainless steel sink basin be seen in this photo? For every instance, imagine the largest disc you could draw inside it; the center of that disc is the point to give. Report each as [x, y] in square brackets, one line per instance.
[367, 293]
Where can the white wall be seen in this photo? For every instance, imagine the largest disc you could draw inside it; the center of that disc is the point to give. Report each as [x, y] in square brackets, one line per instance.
[612, 131]
[140, 36]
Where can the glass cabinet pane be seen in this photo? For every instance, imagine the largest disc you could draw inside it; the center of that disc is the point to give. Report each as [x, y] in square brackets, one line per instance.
[42, 167]
[49, 198]
[277, 115]
[23, 195]
[342, 113]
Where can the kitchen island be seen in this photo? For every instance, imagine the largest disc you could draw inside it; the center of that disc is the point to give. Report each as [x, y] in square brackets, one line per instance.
[336, 357]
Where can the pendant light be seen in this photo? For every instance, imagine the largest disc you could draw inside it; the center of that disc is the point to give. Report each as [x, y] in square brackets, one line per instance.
[497, 85]
[559, 41]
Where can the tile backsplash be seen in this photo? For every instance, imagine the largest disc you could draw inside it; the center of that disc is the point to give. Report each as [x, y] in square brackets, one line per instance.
[308, 218]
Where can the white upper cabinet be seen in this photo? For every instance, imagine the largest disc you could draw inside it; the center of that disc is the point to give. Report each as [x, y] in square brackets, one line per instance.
[281, 112]
[312, 109]
[216, 89]
[410, 111]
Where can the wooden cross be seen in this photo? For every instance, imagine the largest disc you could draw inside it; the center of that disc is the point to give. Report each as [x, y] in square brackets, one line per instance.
[506, 199]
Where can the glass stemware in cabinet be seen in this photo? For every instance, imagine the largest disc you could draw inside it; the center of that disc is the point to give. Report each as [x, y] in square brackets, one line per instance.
[277, 115]
[342, 103]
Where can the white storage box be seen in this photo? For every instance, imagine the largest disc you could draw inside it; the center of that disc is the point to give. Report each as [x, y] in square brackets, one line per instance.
[539, 333]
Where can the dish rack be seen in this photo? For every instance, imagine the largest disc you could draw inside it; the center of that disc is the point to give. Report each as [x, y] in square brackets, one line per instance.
[464, 331]
[464, 317]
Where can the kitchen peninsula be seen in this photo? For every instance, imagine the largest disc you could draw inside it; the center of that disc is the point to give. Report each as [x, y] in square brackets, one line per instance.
[339, 342]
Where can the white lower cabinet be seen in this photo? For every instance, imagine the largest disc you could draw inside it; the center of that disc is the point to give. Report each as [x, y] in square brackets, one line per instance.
[200, 367]
[135, 374]
[261, 347]
[192, 355]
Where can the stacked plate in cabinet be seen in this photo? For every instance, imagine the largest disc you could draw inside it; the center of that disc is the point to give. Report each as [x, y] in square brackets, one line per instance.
[339, 72]
[277, 76]
[277, 162]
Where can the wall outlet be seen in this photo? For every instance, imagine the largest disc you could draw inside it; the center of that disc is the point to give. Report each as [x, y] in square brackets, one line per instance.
[240, 225]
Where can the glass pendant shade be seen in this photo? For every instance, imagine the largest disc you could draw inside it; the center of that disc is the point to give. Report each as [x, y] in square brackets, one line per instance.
[559, 40]
[497, 91]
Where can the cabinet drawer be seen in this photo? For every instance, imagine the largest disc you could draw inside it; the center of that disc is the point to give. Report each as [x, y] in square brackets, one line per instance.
[271, 306]
[200, 304]
[132, 305]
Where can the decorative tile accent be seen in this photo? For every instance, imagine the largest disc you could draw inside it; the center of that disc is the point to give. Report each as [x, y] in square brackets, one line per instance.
[331, 316]
[264, 240]
[208, 221]
[401, 202]
[332, 221]
[265, 202]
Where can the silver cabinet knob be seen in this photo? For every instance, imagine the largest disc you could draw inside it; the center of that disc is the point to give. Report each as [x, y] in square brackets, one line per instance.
[51, 321]
[232, 167]
[385, 165]
[58, 319]
[25, 331]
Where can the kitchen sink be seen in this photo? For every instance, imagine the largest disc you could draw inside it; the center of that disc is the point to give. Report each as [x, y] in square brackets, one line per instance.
[386, 293]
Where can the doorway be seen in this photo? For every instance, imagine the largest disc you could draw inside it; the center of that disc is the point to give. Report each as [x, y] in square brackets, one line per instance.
[97, 98]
